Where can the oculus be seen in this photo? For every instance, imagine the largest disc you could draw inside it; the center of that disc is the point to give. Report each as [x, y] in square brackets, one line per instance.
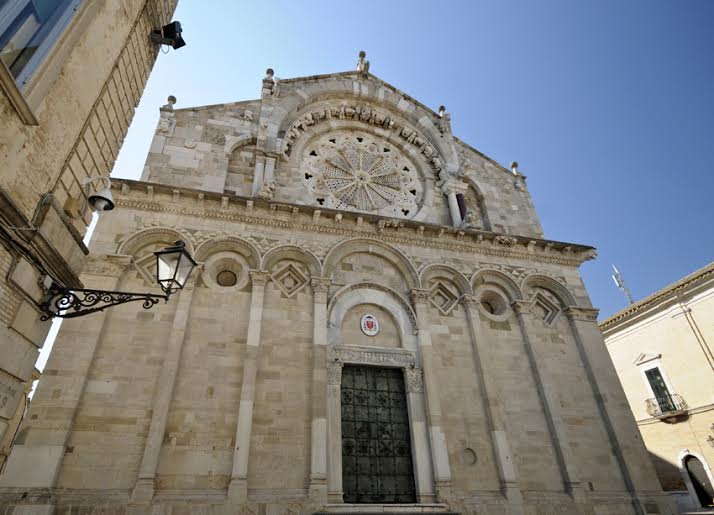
[354, 170]
[369, 325]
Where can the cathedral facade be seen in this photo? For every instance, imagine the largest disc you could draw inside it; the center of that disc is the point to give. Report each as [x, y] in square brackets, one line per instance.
[377, 324]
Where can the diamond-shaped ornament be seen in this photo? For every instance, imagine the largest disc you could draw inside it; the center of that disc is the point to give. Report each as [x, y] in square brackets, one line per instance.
[289, 279]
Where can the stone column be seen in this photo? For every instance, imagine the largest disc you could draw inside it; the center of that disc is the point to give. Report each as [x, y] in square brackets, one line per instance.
[33, 465]
[269, 172]
[450, 189]
[495, 417]
[258, 174]
[238, 487]
[334, 433]
[437, 439]
[550, 404]
[145, 484]
[622, 431]
[318, 442]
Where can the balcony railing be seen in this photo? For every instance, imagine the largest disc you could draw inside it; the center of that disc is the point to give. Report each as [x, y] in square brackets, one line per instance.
[671, 405]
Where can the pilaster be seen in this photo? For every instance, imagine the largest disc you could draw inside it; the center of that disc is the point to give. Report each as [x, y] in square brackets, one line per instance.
[258, 174]
[440, 455]
[551, 405]
[451, 189]
[318, 442]
[334, 433]
[495, 418]
[145, 486]
[238, 487]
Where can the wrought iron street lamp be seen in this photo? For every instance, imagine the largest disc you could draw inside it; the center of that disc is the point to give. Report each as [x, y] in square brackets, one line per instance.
[173, 268]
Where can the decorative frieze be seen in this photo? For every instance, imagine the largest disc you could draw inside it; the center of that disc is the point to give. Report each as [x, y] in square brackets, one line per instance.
[400, 358]
[414, 379]
[334, 373]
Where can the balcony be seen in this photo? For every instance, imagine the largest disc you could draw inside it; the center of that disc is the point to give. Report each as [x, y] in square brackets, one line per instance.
[670, 406]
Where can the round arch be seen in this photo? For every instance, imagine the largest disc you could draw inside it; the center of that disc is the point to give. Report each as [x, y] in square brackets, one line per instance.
[153, 235]
[229, 243]
[376, 247]
[554, 286]
[372, 293]
[448, 272]
[292, 252]
[491, 276]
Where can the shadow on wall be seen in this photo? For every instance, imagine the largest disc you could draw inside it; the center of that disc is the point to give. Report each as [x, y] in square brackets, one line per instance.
[670, 477]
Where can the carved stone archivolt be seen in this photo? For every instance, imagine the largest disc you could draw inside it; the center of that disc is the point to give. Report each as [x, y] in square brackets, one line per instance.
[368, 116]
[354, 170]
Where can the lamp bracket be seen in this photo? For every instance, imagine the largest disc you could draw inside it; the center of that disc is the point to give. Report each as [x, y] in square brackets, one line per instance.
[71, 303]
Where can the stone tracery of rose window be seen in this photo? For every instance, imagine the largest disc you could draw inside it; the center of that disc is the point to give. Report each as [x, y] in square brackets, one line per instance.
[355, 170]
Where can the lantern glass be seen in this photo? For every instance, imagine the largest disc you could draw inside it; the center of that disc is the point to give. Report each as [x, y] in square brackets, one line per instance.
[173, 267]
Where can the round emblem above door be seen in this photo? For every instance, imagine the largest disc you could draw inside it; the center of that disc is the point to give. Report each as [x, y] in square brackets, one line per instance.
[369, 325]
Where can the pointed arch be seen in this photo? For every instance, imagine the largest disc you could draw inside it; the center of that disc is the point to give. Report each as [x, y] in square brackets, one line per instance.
[292, 252]
[543, 281]
[376, 247]
[492, 276]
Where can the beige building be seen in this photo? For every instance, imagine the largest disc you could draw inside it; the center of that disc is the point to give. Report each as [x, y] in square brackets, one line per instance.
[377, 325]
[71, 74]
[663, 350]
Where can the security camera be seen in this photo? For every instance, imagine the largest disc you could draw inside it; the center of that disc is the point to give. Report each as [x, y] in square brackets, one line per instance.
[102, 200]
[168, 35]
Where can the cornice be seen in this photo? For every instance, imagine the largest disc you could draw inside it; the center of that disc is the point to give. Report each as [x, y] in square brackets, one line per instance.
[251, 210]
[660, 296]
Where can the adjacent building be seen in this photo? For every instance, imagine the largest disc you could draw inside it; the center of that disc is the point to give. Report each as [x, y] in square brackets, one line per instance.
[663, 350]
[71, 75]
[378, 324]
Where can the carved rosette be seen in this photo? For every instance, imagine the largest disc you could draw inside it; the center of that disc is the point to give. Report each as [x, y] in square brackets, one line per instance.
[334, 373]
[415, 379]
[354, 170]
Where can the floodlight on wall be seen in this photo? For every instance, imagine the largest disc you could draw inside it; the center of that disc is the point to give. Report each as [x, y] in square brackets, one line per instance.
[168, 35]
[99, 201]
[174, 265]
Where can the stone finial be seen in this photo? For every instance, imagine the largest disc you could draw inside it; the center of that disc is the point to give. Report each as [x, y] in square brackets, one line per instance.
[270, 84]
[362, 63]
[514, 167]
[170, 105]
[442, 111]
[444, 121]
[269, 74]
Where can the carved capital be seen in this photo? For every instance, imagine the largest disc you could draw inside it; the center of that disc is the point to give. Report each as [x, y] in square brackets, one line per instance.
[320, 284]
[414, 379]
[259, 277]
[334, 373]
[582, 314]
[469, 301]
[451, 186]
[418, 295]
[521, 307]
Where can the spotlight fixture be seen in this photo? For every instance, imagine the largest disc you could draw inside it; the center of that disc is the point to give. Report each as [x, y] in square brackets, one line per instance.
[168, 35]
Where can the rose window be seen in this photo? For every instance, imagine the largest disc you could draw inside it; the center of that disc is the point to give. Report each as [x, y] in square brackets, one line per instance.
[356, 171]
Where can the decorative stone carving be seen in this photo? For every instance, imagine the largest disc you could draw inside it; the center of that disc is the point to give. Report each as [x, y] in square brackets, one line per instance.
[505, 241]
[418, 296]
[289, 279]
[320, 284]
[334, 373]
[471, 220]
[259, 277]
[402, 359]
[544, 307]
[354, 170]
[368, 116]
[267, 190]
[444, 121]
[414, 379]
[582, 314]
[443, 298]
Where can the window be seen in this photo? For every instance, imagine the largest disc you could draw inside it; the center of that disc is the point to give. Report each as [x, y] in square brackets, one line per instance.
[659, 389]
[28, 31]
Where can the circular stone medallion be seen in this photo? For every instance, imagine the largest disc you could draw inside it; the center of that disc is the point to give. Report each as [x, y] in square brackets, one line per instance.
[369, 325]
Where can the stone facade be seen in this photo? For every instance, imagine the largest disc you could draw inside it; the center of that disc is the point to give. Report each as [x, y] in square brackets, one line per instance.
[328, 199]
[669, 335]
[65, 125]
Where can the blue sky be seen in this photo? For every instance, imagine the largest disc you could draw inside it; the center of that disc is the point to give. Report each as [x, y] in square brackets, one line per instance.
[607, 105]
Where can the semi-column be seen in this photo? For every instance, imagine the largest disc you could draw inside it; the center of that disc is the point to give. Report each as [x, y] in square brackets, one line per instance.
[437, 439]
[451, 189]
[334, 433]
[145, 483]
[495, 417]
[258, 174]
[31, 465]
[550, 404]
[238, 487]
[318, 442]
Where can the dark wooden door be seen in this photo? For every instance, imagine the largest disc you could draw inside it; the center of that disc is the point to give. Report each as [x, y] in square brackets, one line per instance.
[700, 480]
[376, 447]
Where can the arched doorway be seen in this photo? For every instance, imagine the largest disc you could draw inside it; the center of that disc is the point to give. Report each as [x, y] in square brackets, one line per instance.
[700, 480]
